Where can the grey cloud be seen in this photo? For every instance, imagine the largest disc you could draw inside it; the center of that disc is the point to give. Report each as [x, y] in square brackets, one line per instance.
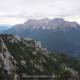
[39, 8]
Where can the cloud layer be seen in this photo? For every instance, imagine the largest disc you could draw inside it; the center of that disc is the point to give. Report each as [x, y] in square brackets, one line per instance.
[21, 10]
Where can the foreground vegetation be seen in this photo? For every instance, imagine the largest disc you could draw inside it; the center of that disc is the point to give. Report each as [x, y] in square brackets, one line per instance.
[29, 59]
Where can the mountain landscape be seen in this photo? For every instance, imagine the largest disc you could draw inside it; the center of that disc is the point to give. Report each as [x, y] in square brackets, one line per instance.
[46, 49]
[57, 35]
[22, 57]
[39, 39]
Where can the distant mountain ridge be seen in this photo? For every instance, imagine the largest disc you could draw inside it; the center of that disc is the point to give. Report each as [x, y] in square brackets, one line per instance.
[55, 34]
[47, 24]
[4, 27]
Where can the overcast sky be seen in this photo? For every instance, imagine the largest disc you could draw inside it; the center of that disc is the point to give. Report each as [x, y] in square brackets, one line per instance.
[18, 11]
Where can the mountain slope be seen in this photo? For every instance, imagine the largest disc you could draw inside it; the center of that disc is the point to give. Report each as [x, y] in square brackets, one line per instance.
[24, 57]
[56, 35]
